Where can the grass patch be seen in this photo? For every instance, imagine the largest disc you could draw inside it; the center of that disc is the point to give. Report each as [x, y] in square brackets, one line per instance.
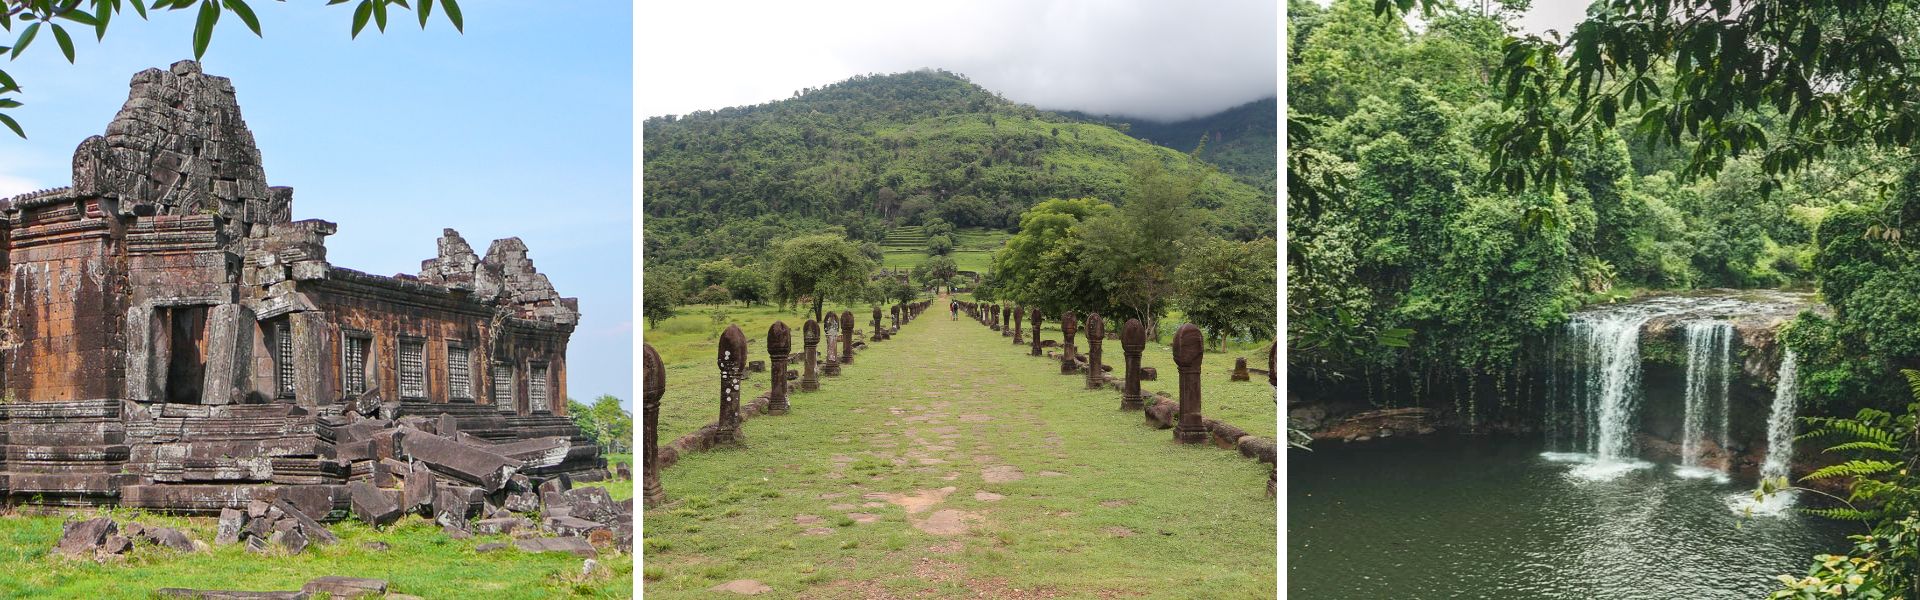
[1100, 494]
[422, 561]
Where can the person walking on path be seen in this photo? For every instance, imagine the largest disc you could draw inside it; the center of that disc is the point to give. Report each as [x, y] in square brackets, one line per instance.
[954, 308]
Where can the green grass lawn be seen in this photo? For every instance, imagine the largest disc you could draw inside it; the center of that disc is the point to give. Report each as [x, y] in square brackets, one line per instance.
[422, 561]
[896, 480]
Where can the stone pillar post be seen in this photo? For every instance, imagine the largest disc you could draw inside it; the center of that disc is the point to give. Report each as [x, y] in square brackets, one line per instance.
[1133, 339]
[1187, 349]
[733, 362]
[1018, 337]
[1096, 332]
[1239, 369]
[879, 329]
[1067, 351]
[810, 338]
[846, 337]
[779, 346]
[1006, 321]
[655, 377]
[896, 317]
[831, 368]
[1035, 317]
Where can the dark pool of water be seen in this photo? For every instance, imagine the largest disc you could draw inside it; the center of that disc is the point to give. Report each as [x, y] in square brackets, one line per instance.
[1476, 517]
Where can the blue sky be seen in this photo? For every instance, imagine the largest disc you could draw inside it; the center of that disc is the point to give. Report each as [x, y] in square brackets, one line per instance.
[522, 126]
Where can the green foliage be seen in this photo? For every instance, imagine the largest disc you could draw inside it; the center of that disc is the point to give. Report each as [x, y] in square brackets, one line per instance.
[747, 285]
[879, 152]
[1883, 451]
[605, 422]
[1226, 288]
[1240, 140]
[657, 303]
[30, 16]
[819, 266]
[939, 245]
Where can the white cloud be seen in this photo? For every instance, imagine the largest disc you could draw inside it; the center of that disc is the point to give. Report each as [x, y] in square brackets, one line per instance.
[1142, 58]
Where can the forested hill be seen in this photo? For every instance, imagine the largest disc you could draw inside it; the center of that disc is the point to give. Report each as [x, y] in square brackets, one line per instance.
[876, 152]
[1243, 140]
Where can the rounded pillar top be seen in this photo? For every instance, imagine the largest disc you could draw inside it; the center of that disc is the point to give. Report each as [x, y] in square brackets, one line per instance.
[1187, 347]
[779, 339]
[655, 378]
[811, 332]
[1133, 336]
[1066, 323]
[733, 348]
[1096, 327]
[846, 319]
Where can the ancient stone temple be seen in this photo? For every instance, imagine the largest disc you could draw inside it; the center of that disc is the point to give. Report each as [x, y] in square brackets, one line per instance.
[172, 339]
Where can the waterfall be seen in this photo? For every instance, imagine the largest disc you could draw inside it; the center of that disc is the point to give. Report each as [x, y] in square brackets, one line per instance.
[1610, 392]
[1780, 421]
[1779, 444]
[1709, 367]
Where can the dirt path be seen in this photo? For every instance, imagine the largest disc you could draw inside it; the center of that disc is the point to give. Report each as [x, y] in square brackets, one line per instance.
[947, 463]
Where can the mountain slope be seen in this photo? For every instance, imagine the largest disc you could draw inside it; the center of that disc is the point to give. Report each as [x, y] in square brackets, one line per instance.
[876, 152]
[1242, 140]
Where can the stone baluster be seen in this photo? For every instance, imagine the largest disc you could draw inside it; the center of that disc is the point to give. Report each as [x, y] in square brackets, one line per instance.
[1067, 351]
[1133, 339]
[1239, 370]
[1096, 332]
[831, 368]
[810, 339]
[846, 337]
[879, 330]
[655, 386]
[1035, 317]
[1187, 352]
[1018, 339]
[733, 363]
[779, 344]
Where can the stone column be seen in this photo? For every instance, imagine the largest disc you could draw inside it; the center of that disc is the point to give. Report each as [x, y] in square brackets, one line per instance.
[1067, 351]
[1018, 339]
[810, 338]
[879, 329]
[1133, 339]
[1096, 331]
[1187, 349]
[779, 345]
[831, 368]
[1035, 317]
[1006, 321]
[733, 361]
[896, 317]
[1239, 369]
[655, 377]
[846, 337]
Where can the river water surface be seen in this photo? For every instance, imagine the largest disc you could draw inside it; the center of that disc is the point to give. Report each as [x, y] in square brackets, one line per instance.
[1487, 517]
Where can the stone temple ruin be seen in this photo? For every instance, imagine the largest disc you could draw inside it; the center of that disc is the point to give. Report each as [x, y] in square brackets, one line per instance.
[173, 340]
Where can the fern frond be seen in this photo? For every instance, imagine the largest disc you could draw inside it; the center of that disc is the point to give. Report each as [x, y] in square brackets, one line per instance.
[1840, 513]
[1913, 381]
[1852, 468]
[1875, 446]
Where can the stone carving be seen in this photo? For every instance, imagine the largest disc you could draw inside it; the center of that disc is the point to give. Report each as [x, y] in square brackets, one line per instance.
[1096, 332]
[830, 325]
[733, 360]
[1068, 364]
[779, 344]
[846, 337]
[1187, 352]
[1133, 340]
[655, 386]
[809, 379]
[1035, 317]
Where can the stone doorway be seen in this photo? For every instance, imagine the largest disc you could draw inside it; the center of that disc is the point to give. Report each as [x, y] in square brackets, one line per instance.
[186, 334]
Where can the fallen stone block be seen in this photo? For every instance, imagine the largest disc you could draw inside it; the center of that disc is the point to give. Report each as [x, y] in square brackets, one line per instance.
[478, 466]
[80, 539]
[345, 587]
[577, 546]
[232, 520]
[500, 526]
[591, 503]
[572, 526]
[372, 506]
[313, 529]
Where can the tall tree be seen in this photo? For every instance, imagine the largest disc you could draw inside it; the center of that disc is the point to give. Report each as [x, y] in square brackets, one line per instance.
[819, 266]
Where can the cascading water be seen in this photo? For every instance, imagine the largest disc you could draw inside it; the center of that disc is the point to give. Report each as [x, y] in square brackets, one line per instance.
[1786, 403]
[1607, 390]
[1709, 369]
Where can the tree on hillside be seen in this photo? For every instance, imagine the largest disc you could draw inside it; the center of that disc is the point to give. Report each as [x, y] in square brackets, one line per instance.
[938, 226]
[1031, 266]
[747, 285]
[939, 245]
[819, 266]
[658, 302]
[1137, 245]
[1228, 288]
[937, 272]
[31, 16]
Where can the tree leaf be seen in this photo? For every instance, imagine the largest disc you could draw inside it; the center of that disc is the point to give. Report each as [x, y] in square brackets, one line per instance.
[140, 6]
[26, 37]
[203, 27]
[7, 84]
[240, 9]
[426, 8]
[14, 125]
[380, 15]
[66, 43]
[106, 14]
[453, 15]
[360, 14]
